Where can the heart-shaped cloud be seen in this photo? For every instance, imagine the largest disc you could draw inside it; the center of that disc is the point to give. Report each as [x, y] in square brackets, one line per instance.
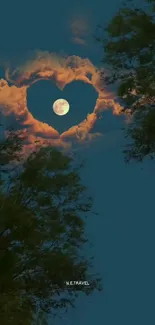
[63, 70]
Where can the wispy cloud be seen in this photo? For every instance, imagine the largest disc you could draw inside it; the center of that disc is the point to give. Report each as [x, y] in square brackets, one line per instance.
[80, 30]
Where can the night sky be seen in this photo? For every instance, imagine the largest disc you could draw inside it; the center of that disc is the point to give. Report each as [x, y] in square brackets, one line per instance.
[123, 233]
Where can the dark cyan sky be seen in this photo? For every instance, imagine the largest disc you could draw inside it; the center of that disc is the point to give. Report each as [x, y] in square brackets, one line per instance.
[123, 233]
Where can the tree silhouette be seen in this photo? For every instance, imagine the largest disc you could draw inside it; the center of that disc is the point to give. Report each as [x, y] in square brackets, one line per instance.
[43, 206]
[129, 51]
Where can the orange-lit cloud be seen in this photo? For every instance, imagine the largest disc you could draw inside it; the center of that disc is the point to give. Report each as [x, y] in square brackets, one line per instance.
[13, 98]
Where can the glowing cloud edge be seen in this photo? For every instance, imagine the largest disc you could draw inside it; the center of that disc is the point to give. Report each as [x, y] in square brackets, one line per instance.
[64, 70]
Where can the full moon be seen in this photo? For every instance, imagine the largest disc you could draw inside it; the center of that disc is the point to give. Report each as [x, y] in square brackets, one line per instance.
[61, 107]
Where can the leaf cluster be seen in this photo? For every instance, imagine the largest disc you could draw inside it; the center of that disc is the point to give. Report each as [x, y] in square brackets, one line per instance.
[42, 236]
[129, 51]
